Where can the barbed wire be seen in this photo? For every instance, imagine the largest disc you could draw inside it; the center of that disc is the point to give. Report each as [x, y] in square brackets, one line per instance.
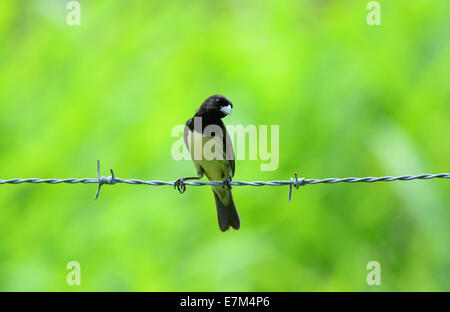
[295, 182]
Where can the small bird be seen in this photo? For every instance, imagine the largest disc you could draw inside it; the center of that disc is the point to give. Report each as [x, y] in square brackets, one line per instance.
[221, 168]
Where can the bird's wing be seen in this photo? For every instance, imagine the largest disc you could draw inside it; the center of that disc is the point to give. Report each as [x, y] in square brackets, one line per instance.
[228, 148]
[188, 140]
[187, 131]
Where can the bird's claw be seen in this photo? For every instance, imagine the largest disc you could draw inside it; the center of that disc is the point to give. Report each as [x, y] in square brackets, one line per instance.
[227, 182]
[179, 185]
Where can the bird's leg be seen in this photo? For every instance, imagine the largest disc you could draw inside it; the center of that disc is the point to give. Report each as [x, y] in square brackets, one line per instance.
[179, 183]
[227, 181]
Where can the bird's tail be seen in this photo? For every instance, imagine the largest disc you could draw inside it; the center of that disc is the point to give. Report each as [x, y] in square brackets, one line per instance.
[226, 209]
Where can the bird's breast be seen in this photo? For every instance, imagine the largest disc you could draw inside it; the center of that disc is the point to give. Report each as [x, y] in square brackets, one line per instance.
[208, 152]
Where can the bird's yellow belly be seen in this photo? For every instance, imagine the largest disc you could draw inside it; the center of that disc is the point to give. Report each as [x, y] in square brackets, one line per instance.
[217, 168]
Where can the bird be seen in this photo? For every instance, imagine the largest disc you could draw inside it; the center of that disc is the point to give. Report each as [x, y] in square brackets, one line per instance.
[207, 130]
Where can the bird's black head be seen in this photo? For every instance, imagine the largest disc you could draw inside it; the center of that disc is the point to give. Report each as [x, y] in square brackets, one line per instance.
[217, 106]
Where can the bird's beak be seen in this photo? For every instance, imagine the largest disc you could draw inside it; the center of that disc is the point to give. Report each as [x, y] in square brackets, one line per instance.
[226, 110]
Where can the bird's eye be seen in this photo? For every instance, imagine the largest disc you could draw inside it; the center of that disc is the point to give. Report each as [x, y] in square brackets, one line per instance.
[217, 100]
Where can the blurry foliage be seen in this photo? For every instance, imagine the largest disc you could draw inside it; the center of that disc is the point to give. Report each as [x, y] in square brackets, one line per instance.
[350, 99]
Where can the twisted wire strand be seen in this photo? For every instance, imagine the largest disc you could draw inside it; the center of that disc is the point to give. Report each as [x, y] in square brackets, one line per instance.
[181, 185]
[110, 180]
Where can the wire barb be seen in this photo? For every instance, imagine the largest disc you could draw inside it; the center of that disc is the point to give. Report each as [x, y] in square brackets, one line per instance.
[104, 180]
[295, 183]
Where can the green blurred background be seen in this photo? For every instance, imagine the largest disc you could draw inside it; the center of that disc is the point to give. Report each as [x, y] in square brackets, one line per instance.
[350, 99]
